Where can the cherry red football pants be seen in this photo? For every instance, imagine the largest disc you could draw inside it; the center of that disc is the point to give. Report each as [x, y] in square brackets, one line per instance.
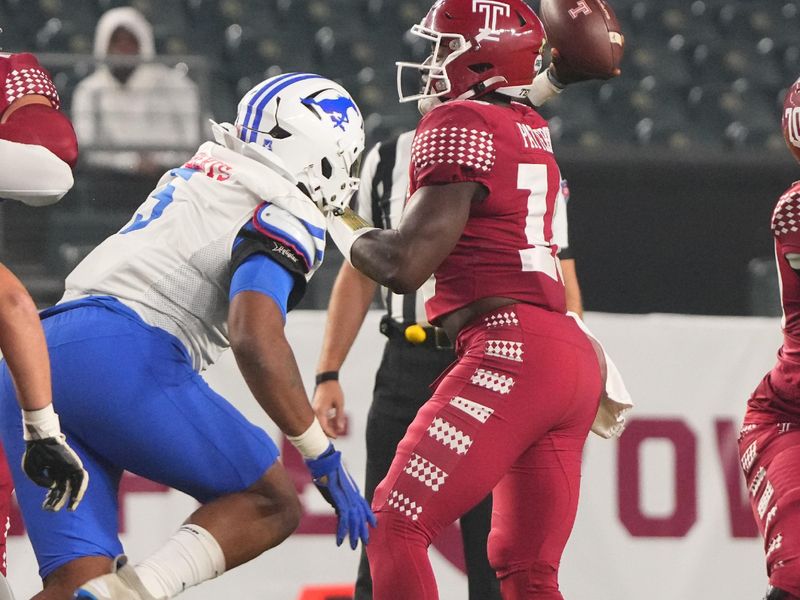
[6, 489]
[510, 416]
[770, 455]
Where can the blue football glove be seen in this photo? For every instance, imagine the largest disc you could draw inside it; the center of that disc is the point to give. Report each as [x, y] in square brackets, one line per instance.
[338, 488]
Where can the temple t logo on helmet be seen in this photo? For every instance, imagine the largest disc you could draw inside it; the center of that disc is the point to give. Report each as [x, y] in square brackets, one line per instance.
[492, 10]
[478, 47]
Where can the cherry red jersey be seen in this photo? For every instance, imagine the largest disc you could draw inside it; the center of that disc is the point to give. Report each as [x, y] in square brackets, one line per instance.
[507, 246]
[777, 398]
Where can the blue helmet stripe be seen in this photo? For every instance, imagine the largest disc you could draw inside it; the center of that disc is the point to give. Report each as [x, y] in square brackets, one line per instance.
[254, 100]
[270, 95]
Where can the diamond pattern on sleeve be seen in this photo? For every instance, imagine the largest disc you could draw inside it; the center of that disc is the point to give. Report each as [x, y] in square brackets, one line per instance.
[30, 80]
[490, 380]
[425, 471]
[403, 504]
[449, 435]
[463, 146]
[473, 409]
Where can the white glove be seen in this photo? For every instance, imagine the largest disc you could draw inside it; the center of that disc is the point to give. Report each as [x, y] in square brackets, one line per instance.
[50, 462]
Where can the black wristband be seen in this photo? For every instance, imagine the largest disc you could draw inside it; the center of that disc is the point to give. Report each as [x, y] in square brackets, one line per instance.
[327, 376]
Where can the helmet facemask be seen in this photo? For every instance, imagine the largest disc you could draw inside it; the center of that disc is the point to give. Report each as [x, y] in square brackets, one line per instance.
[433, 70]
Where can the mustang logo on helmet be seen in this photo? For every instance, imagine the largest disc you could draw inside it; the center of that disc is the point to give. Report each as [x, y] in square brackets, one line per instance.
[335, 108]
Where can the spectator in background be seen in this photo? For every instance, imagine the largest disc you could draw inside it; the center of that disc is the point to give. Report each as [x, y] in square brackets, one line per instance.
[139, 115]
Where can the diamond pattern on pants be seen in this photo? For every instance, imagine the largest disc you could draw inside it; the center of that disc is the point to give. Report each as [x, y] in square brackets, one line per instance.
[449, 435]
[499, 319]
[403, 504]
[473, 409]
[425, 471]
[504, 349]
[492, 381]
[774, 544]
[749, 457]
[757, 481]
[766, 496]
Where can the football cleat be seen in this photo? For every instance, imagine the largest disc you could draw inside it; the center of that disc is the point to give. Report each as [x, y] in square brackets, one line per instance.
[121, 584]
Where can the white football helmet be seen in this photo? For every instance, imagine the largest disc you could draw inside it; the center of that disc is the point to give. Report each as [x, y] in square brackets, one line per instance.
[313, 127]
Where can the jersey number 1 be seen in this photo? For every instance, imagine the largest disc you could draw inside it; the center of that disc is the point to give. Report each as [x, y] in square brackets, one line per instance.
[533, 179]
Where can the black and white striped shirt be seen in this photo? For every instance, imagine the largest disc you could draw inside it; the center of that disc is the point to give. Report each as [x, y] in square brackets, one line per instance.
[380, 201]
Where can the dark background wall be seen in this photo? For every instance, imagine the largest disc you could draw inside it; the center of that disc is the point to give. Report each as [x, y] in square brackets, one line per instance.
[672, 234]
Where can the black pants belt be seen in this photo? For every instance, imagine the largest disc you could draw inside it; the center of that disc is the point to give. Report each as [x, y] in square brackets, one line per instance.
[435, 337]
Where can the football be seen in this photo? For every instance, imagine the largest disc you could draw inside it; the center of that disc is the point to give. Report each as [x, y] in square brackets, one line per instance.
[586, 36]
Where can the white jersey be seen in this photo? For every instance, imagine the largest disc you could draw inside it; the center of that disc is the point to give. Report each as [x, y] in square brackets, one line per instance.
[171, 263]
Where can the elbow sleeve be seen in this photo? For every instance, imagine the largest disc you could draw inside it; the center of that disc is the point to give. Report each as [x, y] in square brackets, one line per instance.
[40, 125]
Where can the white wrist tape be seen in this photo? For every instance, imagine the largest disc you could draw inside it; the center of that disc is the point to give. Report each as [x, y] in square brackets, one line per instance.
[345, 230]
[543, 88]
[312, 442]
[40, 424]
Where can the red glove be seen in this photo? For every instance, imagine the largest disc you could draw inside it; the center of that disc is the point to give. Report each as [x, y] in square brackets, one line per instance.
[20, 75]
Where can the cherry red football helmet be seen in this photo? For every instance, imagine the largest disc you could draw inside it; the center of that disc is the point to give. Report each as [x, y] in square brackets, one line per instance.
[791, 119]
[479, 46]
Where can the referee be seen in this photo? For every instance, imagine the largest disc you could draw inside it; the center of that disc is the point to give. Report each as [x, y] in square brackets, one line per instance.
[414, 356]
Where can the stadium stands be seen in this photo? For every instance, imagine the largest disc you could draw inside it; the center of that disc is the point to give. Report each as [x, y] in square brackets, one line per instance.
[700, 77]
[702, 72]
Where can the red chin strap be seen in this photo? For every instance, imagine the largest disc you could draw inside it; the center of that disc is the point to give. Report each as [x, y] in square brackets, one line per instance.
[40, 125]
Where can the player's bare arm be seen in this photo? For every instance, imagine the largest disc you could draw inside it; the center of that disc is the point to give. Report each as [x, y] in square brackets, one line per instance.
[24, 101]
[350, 299]
[48, 460]
[267, 362]
[22, 343]
[403, 258]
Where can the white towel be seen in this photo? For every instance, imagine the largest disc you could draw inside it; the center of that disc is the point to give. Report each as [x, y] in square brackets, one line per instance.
[615, 401]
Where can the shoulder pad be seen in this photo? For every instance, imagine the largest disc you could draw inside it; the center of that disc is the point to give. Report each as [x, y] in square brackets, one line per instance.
[298, 240]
